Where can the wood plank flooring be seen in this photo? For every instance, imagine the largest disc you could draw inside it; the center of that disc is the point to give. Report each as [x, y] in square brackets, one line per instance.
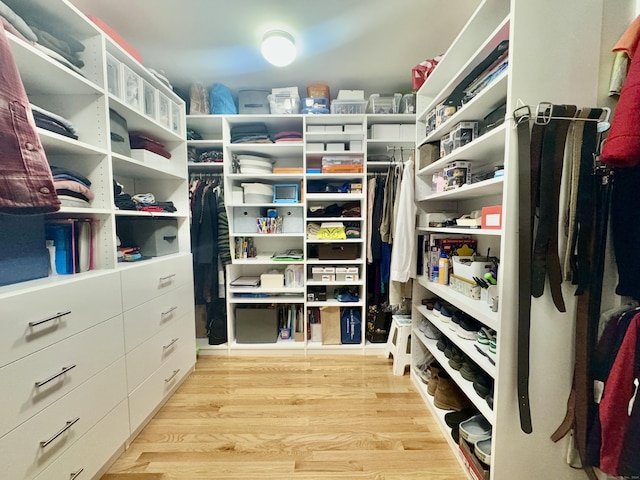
[298, 418]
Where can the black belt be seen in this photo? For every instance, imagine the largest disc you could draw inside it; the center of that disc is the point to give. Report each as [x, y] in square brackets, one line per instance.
[525, 228]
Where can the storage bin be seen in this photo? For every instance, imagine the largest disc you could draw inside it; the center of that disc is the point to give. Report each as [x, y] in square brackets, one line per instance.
[272, 280]
[315, 105]
[257, 193]
[256, 324]
[253, 102]
[24, 252]
[323, 274]
[341, 251]
[131, 88]
[381, 131]
[284, 105]
[348, 107]
[149, 94]
[155, 237]
[164, 110]
[347, 274]
[176, 111]
[255, 164]
[467, 268]
[384, 103]
[150, 158]
[113, 76]
[119, 134]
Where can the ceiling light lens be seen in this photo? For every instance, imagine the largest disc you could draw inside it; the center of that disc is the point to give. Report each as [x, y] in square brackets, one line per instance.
[279, 48]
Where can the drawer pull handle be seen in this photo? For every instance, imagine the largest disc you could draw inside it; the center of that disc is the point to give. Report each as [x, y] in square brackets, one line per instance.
[170, 344]
[173, 375]
[67, 426]
[75, 475]
[45, 320]
[167, 278]
[55, 375]
[167, 312]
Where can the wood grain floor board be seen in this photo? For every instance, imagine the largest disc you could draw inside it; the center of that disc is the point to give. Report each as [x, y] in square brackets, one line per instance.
[291, 418]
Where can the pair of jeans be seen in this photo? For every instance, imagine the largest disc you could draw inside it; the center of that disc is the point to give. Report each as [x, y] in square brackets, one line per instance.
[26, 184]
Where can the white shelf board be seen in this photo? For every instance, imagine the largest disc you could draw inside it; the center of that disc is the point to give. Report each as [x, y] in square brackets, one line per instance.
[482, 189]
[462, 231]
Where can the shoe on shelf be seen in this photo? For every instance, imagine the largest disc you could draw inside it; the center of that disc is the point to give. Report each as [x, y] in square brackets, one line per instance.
[453, 420]
[470, 371]
[455, 320]
[448, 349]
[449, 396]
[437, 306]
[484, 337]
[429, 303]
[483, 385]
[446, 312]
[493, 345]
[489, 398]
[423, 372]
[429, 330]
[468, 328]
[457, 359]
[435, 371]
[475, 428]
[442, 343]
[482, 449]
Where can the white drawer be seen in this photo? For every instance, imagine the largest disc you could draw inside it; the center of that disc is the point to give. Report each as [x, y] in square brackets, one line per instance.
[92, 451]
[88, 301]
[143, 321]
[82, 356]
[22, 452]
[152, 392]
[144, 281]
[162, 347]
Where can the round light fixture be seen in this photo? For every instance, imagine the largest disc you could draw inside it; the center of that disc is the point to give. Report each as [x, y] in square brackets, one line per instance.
[278, 48]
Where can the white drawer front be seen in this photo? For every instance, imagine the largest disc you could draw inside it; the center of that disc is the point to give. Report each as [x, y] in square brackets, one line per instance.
[144, 321]
[28, 449]
[162, 347]
[144, 399]
[89, 454]
[89, 301]
[144, 281]
[79, 357]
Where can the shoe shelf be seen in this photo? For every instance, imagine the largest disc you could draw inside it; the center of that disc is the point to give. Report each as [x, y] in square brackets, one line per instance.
[477, 309]
[465, 385]
[466, 346]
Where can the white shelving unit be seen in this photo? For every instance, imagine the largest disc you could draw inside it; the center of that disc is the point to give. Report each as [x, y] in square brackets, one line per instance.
[121, 329]
[532, 76]
[342, 130]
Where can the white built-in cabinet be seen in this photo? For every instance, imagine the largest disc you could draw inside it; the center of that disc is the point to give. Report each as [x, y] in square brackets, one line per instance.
[553, 57]
[87, 359]
[322, 135]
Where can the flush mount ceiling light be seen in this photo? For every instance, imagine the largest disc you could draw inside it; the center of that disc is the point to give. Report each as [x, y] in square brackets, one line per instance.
[278, 48]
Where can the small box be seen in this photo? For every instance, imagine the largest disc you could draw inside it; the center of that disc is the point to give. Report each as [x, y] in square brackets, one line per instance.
[492, 217]
[318, 90]
[237, 195]
[323, 274]
[24, 252]
[176, 124]
[355, 146]
[355, 187]
[333, 129]
[340, 251]
[256, 324]
[315, 147]
[131, 88]
[113, 76]
[381, 131]
[444, 113]
[463, 133]
[347, 274]
[477, 469]
[315, 129]
[446, 145]
[457, 174]
[155, 237]
[353, 128]
[150, 158]
[149, 103]
[335, 147]
[467, 267]
[317, 294]
[253, 102]
[272, 280]
[430, 122]
[164, 110]
[120, 142]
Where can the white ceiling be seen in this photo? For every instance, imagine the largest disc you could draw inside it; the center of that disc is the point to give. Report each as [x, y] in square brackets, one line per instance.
[369, 45]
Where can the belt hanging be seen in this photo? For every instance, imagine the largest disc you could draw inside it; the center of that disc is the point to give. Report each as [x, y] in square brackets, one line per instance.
[525, 227]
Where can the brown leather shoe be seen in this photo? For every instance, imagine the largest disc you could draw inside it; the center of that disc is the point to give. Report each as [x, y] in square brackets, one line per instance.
[448, 395]
[432, 386]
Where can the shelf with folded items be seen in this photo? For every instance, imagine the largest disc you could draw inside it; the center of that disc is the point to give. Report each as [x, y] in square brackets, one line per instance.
[479, 190]
[467, 346]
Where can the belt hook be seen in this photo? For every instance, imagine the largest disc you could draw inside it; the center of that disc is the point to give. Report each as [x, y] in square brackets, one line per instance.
[522, 114]
[544, 112]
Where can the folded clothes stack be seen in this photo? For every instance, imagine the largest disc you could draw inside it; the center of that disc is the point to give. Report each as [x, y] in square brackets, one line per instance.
[72, 188]
[32, 24]
[53, 122]
[250, 133]
[288, 136]
[141, 140]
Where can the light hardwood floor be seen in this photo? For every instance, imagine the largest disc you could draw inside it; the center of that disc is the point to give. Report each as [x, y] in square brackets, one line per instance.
[280, 418]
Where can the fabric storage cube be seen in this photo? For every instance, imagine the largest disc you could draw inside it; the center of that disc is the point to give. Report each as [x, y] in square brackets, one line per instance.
[256, 324]
[24, 253]
[120, 142]
[341, 251]
[253, 101]
[155, 237]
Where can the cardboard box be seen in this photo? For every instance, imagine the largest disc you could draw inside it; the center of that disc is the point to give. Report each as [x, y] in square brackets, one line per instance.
[492, 217]
[323, 274]
[477, 469]
[330, 321]
[347, 274]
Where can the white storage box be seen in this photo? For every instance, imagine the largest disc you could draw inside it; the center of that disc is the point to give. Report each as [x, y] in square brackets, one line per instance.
[315, 147]
[258, 193]
[253, 164]
[333, 128]
[131, 88]
[381, 131]
[467, 268]
[355, 145]
[149, 99]
[155, 237]
[347, 274]
[335, 147]
[113, 76]
[353, 128]
[272, 280]
[315, 129]
[237, 195]
[150, 158]
[408, 132]
[323, 274]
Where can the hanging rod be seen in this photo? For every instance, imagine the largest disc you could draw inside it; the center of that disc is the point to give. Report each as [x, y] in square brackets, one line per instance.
[392, 148]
